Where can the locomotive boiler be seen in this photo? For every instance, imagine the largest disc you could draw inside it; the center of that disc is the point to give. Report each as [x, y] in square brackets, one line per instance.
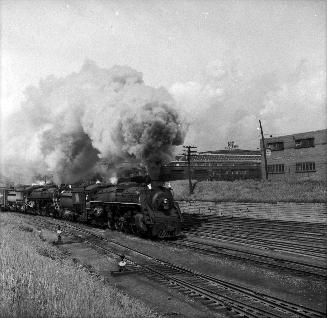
[137, 207]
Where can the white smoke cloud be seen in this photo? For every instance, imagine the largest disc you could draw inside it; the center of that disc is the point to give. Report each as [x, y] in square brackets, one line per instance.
[226, 105]
[65, 125]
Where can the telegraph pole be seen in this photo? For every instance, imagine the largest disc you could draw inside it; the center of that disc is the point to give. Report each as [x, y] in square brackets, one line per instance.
[264, 149]
[188, 155]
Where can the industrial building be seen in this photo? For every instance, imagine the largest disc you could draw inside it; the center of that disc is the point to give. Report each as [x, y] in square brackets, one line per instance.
[296, 157]
[216, 165]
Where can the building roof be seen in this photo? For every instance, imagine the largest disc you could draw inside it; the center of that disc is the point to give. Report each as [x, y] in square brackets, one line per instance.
[222, 156]
[231, 152]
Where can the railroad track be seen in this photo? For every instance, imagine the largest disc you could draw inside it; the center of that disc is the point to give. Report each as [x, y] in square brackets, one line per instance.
[274, 262]
[256, 231]
[218, 295]
[266, 234]
[310, 229]
[268, 238]
[273, 245]
[265, 222]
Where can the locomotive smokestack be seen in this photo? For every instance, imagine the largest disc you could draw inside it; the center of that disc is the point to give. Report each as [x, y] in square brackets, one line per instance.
[153, 168]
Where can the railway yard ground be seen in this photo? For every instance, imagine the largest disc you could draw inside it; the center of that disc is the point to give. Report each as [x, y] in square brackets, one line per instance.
[220, 267]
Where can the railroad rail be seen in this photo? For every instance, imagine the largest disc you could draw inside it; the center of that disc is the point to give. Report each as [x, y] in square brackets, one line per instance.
[216, 294]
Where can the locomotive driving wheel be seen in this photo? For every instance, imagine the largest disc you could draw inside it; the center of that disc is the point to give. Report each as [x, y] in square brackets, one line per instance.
[133, 229]
[111, 222]
[120, 224]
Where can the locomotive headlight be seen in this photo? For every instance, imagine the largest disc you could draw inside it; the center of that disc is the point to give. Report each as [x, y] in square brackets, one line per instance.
[165, 203]
[98, 211]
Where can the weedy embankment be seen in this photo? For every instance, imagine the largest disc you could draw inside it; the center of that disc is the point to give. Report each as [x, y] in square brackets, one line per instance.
[38, 281]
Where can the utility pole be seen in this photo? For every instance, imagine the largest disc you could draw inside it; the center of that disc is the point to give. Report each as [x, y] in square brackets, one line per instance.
[188, 155]
[264, 149]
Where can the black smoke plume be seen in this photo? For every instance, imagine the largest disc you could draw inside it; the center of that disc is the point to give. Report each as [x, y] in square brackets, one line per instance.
[67, 126]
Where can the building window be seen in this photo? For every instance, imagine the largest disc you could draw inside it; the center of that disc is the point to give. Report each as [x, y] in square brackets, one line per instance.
[276, 168]
[305, 167]
[276, 146]
[304, 143]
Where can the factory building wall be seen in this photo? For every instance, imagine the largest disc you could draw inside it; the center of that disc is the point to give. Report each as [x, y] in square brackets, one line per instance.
[297, 157]
[213, 171]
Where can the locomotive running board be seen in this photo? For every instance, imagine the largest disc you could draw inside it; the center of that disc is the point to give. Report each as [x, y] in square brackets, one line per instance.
[121, 202]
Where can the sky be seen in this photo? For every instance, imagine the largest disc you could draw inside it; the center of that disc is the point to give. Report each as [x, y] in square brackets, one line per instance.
[227, 64]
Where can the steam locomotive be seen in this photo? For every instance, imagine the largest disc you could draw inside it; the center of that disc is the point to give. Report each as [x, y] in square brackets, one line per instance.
[133, 205]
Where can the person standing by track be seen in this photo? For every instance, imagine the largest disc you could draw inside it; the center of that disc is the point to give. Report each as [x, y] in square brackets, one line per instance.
[122, 263]
[59, 240]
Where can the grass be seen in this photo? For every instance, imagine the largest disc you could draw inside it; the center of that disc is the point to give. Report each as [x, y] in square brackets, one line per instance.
[252, 191]
[38, 281]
